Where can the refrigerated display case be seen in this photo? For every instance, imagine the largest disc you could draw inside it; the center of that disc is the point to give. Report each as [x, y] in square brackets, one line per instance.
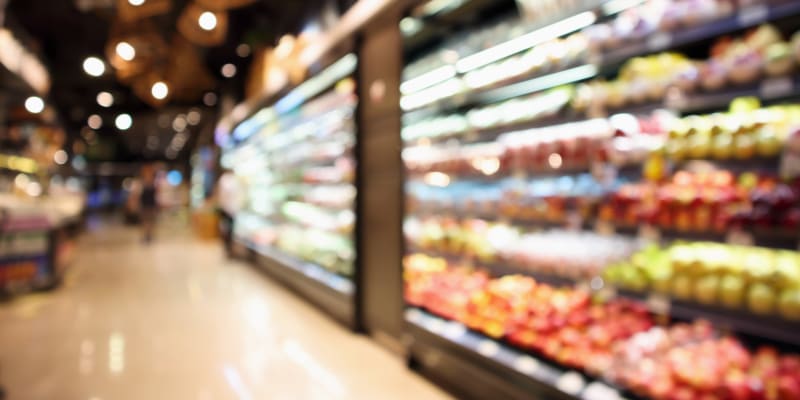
[602, 198]
[296, 166]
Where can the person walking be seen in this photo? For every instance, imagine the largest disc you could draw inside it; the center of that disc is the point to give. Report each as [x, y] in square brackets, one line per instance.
[148, 202]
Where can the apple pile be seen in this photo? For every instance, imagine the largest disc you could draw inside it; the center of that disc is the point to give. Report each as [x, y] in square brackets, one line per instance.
[762, 51]
[706, 202]
[694, 362]
[445, 291]
[746, 132]
[764, 281]
[562, 324]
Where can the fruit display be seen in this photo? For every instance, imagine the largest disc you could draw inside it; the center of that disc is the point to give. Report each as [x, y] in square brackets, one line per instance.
[530, 108]
[559, 189]
[615, 340]
[568, 254]
[744, 133]
[297, 168]
[694, 362]
[763, 281]
[761, 52]
[573, 146]
[712, 201]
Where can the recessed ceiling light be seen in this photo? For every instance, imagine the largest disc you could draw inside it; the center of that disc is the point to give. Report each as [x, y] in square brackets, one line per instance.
[125, 51]
[60, 157]
[243, 50]
[95, 121]
[179, 123]
[210, 99]
[193, 117]
[160, 90]
[207, 20]
[136, 3]
[34, 104]
[94, 66]
[229, 70]
[123, 122]
[105, 99]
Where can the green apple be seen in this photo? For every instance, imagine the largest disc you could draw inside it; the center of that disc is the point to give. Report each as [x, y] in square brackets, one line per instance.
[732, 290]
[761, 299]
[789, 303]
[682, 287]
[706, 289]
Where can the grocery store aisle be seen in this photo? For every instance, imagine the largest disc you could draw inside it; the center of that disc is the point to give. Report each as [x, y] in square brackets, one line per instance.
[175, 320]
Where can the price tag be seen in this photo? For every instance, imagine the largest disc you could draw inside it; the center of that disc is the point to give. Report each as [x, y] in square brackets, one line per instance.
[571, 382]
[527, 365]
[740, 237]
[488, 348]
[751, 15]
[658, 304]
[436, 326]
[600, 391]
[649, 233]
[776, 87]
[659, 41]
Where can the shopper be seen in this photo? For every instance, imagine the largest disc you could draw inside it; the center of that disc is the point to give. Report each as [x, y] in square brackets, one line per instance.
[148, 201]
[228, 201]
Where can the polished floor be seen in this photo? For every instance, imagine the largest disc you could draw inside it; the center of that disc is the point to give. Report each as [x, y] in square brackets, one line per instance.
[175, 320]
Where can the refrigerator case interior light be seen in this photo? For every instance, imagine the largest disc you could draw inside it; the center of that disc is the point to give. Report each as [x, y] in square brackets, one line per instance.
[298, 168]
[609, 198]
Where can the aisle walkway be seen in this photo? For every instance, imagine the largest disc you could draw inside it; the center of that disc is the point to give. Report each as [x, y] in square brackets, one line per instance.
[175, 321]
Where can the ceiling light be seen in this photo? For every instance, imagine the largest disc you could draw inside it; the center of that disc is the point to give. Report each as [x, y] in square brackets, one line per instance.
[105, 99]
[229, 70]
[60, 157]
[123, 122]
[95, 121]
[94, 66]
[179, 123]
[160, 90]
[136, 3]
[207, 20]
[210, 99]
[125, 51]
[34, 104]
[243, 50]
[193, 117]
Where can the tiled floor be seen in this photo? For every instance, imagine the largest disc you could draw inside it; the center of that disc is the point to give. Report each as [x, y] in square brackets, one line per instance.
[175, 320]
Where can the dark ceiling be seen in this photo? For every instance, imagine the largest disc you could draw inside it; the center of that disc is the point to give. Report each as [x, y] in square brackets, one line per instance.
[68, 31]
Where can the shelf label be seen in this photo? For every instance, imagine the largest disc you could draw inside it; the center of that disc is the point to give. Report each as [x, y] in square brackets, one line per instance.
[527, 365]
[488, 348]
[658, 304]
[571, 383]
[454, 330]
[776, 87]
[649, 233]
[751, 15]
[659, 41]
[740, 237]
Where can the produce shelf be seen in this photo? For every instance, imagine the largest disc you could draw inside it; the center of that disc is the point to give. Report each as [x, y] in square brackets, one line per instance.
[736, 320]
[332, 293]
[485, 367]
[610, 62]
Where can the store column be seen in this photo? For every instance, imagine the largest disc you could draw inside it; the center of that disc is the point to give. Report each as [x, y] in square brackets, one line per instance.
[380, 195]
